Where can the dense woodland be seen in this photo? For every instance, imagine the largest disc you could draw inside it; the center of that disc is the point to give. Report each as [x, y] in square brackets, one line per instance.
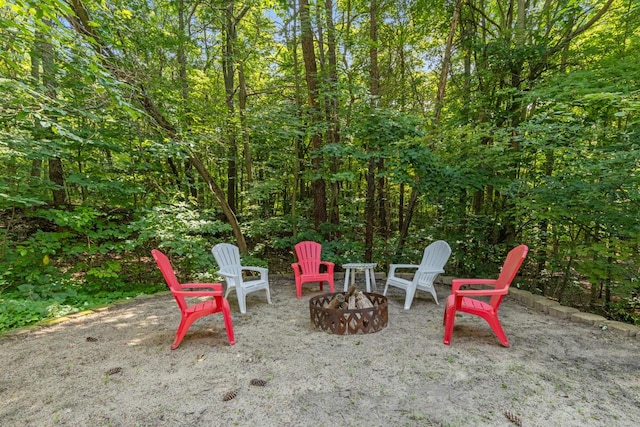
[374, 127]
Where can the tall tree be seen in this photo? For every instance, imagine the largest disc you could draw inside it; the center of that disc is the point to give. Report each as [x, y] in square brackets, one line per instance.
[229, 60]
[332, 109]
[374, 91]
[56, 170]
[315, 118]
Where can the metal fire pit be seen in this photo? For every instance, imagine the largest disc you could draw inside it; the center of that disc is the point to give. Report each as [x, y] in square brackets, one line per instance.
[349, 322]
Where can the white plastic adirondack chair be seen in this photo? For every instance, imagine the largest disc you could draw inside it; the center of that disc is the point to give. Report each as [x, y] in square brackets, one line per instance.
[228, 258]
[433, 261]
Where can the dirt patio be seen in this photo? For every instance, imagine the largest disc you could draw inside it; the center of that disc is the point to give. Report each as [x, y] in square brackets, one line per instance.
[556, 372]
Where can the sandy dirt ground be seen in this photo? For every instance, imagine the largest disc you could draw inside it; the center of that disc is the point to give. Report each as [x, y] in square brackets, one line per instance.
[556, 373]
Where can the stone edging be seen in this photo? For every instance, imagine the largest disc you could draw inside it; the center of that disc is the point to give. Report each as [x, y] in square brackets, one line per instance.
[555, 309]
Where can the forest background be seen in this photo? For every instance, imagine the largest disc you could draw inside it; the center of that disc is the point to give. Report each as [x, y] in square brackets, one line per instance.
[372, 126]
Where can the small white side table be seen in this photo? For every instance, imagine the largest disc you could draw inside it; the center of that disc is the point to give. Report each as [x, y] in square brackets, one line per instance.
[369, 274]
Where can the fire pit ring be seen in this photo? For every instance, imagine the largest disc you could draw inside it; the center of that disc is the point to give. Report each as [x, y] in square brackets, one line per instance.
[349, 322]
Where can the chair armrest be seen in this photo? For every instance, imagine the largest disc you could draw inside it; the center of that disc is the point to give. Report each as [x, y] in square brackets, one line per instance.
[203, 290]
[394, 267]
[456, 284]
[330, 266]
[226, 274]
[262, 270]
[480, 292]
[296, 268]
[430, 271]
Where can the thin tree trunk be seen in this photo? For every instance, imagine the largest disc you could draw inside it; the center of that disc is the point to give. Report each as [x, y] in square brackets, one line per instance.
[332, 111]
[370, 210]
[36, 164]
[192, 189]
[311, 71]
[242, 105]
[446, 62]
[298, 139]
[228, 71]
[401, 207]
[182, 57]
[374, 90]
[217, 191]
[56, 171]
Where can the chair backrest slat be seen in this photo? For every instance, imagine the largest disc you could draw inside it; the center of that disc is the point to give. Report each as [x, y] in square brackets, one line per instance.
[228, 257]
[435, 257]
[309, 254]
[170, 277]
[510, 268]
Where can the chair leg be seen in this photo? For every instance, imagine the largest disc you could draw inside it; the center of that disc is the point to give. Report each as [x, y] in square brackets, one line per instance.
[228, 324]
[346, 279]
[179, 335]
[242, 300]
[494, 322]
[435, 296]
[331, 285]
[299, 290]
[268, 295]
[320, 284]
[367, 280]
[228, 290]
[408, 299]
[185, 324]
[449, 319]
[374, 285]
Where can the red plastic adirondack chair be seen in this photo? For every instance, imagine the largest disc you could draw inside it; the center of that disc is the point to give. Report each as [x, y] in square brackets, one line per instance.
[460, 300]
[191, 313]
[308, 268]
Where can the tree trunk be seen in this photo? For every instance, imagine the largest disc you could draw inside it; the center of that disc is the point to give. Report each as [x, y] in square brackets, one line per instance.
[370, 211]
[298, 139]
[401, 207]
[217, 191]
[192, 189]
[374, 90]
[446, 62]
[311, 71]
[332, 112]
[242, 105]
[56, 171]
[228, 71]
[413, 200]
[36, 164]
[56, 175]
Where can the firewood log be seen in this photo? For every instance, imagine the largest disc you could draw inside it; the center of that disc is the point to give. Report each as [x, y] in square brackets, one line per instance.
[352, 302]
[352, 290]
[336, 301]
[362, 301]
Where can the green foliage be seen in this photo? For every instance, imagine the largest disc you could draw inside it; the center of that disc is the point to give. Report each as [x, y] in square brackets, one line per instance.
[15, 313]
[65, 262]
[183, 231]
